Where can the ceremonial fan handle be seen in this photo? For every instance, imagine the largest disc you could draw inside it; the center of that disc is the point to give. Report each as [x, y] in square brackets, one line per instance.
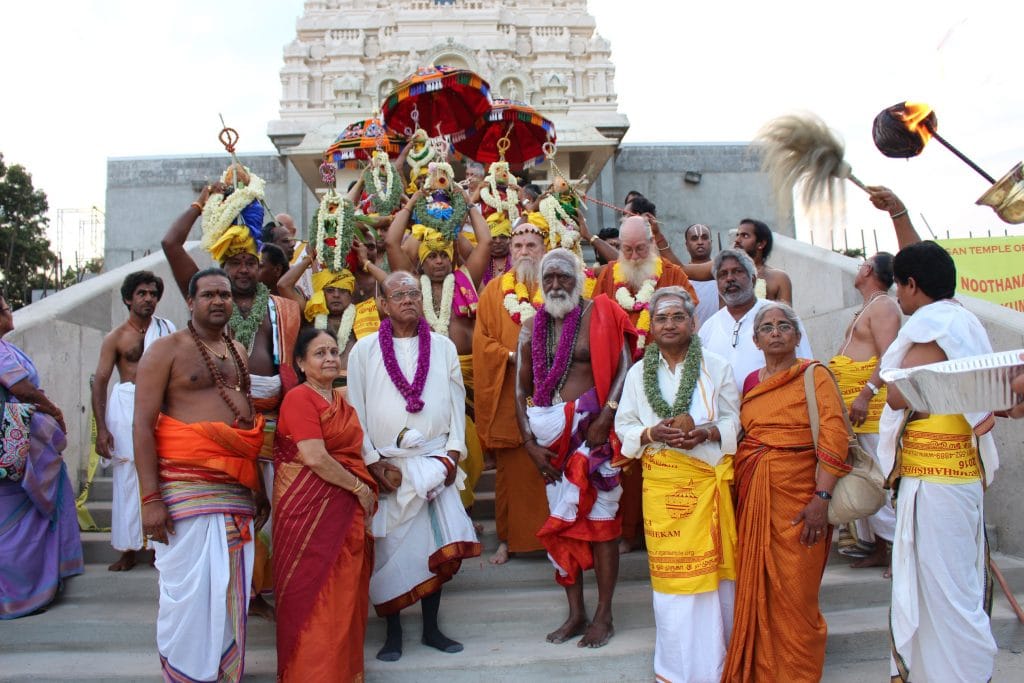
[856, 181]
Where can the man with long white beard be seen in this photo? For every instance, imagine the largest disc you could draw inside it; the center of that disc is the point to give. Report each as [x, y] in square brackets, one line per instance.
[730, 332]
[570, 370]
[507, 303]
[631, 281]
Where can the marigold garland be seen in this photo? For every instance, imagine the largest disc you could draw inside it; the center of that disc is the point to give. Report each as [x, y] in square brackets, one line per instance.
[687, 383]
[517, 299]
[640, 302]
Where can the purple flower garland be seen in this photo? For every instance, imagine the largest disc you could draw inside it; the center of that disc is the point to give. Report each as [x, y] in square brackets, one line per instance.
[546, 381]
[413, 402]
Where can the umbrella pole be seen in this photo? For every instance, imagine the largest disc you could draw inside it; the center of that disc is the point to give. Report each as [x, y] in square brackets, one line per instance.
[1006, 590]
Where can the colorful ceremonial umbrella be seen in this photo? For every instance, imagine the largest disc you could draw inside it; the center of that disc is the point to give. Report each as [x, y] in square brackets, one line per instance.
[526, 130]
[441, 100]
[359, 139]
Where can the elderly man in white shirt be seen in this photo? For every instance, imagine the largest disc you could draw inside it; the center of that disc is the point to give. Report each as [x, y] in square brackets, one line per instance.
[412, 446]
[730, 331]
[679, 415]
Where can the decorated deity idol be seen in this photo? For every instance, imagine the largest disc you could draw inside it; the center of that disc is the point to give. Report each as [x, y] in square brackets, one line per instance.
[561, 210]
[233, 221]
[382, 189]
[420, 154]
[500, 192]
[442, 207]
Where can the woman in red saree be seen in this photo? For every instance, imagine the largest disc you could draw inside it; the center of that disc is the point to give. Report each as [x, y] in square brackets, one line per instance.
[323, 498]
[783, 487]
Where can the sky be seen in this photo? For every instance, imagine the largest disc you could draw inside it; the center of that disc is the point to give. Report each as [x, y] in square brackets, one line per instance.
[85, 80]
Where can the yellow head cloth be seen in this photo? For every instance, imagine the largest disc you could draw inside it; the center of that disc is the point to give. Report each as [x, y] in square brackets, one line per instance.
[430, 241]
[317, 304]
[499, 224]
[537, 220]
[235, 240]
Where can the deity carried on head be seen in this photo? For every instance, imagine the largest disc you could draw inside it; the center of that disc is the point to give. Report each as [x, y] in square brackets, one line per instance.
[233, 220]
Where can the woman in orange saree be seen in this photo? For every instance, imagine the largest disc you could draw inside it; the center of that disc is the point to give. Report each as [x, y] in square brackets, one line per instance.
[323, 496]
[783, 487]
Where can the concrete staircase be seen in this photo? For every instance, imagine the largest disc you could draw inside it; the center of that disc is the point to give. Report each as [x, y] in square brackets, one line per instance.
[103, 626]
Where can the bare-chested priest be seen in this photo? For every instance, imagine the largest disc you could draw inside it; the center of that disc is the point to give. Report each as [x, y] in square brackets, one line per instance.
[755, 238]
[197, 439]
[571, 365]
[856, 367]
[123, 348]
[266, 325]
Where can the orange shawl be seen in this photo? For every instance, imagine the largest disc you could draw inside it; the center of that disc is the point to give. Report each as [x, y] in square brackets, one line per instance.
[212, 446]
[671, 275]
[779, 632]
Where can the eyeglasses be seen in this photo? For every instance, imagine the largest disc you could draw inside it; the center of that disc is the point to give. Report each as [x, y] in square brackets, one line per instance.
[736, 332]
[677, 318]
[410, 294]
[782, 328]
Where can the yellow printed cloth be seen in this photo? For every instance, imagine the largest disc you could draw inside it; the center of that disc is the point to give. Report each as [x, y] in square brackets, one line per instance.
[431, 240]
[473, 463]
[689, 522]
[235, 240]
[852, 375]
[367, 318]
[939, 449]
[324, 279]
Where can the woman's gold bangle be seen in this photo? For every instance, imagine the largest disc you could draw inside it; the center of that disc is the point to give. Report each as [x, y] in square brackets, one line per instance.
[358, 487]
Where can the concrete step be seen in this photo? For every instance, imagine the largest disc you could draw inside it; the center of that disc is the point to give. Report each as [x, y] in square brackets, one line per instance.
[102, 489]
[101, 512]
[483, 505]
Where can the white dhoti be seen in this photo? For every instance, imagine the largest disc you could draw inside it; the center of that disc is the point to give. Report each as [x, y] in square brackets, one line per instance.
[882, 524]
[204, 594]
[126, 508]
[693, 634]
[422, 531]
[938, 583]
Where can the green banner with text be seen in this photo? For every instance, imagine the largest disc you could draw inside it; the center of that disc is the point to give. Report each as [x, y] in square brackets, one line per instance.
[990, 268]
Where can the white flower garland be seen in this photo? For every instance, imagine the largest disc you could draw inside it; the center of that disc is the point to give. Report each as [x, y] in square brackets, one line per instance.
[419, 159]
[438, 322]
[563, 230]
[389, 174]
[348, 319]
[219, 215]
[643, 295]
[341, 226]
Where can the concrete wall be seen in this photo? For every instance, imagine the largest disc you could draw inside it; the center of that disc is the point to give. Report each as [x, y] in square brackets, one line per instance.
[731, 187]
[825, 299]
[145, 194]
[63, 332]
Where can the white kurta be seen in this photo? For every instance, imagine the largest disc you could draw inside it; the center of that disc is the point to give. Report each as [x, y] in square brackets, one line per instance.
[707, 292]
[692, 630]
[735, 342]
[422, 516]
[939, 625]
[126, 504]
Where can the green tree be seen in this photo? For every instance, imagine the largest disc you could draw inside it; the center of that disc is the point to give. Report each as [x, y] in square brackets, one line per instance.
[25, 255]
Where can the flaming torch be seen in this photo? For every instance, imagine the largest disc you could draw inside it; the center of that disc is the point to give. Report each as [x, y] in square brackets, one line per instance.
[902, 131]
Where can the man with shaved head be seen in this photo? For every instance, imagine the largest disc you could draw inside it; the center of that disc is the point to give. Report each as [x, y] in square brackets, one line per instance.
[630, 281]
[698, 243]
[412, 446]
[571, 364]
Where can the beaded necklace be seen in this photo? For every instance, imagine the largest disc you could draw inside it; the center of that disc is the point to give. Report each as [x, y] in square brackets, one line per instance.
[244, 382]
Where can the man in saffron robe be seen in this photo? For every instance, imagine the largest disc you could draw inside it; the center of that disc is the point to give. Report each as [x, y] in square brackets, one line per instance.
[405, 384]
[265, 324]
[857, 371]
[565, 405]
[507, 302]
[630, 281]
[939, 619]
[197, 439]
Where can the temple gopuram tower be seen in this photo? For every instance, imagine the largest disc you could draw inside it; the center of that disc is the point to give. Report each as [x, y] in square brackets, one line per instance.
[349, 54]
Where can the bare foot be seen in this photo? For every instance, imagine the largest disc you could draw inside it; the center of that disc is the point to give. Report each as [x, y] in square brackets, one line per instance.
[598, 634]
[572, 627]
[878, 558]
[124, 563]
[489, 463]
[887, 574]
[258, 607]
[500, 555]
[624, 547]
[478, 528]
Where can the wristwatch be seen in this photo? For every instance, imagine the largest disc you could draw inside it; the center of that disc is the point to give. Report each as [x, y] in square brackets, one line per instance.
[824, 495]
[872, 388]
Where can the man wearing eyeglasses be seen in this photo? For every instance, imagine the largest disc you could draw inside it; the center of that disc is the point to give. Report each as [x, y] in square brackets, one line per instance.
[730, 332]
[405, 383]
